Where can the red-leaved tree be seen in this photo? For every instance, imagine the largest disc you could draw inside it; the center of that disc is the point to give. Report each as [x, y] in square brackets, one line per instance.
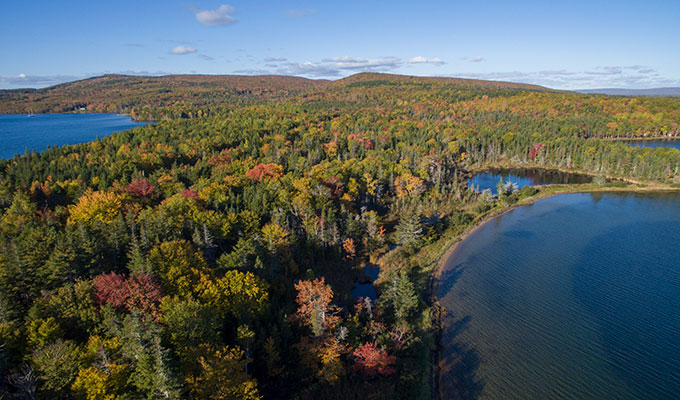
[144, 294]
[140, 187]
[111, 289]
[261, 172]
[140, 292]
[371, 359]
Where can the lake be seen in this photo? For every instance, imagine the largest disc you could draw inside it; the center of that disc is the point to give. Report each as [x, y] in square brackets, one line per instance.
[675, 144]
[19, 132]
[524, 177]
[574, 297]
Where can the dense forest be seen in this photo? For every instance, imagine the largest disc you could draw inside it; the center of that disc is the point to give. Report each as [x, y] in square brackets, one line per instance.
[212, 254]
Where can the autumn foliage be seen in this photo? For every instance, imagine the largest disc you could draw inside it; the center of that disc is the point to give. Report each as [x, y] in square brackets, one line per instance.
[370, 359]
[140, 187]
[314, 305]
[349, 247]
[140, 292]
[262, 172]
[102, 206]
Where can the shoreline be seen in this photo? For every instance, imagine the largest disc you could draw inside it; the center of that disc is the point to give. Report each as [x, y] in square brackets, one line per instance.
[439, 267]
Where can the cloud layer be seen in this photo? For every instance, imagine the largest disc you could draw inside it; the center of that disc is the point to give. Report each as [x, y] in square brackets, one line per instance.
[219, 17]
[635, 76]
[476, 59]
[33, 81]
[425, 60]
[336, 66]
[181, 50]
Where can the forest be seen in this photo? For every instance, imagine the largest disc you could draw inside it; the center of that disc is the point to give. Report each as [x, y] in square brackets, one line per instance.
[212, 254]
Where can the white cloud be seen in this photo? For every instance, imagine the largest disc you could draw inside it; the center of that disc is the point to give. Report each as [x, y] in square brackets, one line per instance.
[22, 75]
[425, 60]
[363, 64]
[275, 59]
[180, 50]
[476, 59]
[328, 67]
[308, 68]
[219, 17]
[300, 13]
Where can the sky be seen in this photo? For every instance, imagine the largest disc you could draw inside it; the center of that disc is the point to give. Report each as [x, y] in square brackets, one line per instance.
[578, 44]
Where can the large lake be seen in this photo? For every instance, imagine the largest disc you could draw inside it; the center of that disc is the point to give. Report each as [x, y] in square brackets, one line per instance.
[573, 297]
[18, 132]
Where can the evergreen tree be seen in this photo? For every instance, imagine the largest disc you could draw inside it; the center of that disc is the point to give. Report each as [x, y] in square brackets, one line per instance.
[400, 297]
[409, 230]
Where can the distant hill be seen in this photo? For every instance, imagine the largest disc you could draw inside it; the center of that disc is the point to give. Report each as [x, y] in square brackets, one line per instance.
[379, 77]
[121, 93]
[118, 93]
[668, 91]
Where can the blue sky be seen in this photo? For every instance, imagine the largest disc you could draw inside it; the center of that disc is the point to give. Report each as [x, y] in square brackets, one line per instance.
[560, 44]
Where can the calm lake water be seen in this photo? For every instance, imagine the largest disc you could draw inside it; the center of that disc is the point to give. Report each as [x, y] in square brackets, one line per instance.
[573, 297]
[19, 132]
[655, 143]
[524, 177]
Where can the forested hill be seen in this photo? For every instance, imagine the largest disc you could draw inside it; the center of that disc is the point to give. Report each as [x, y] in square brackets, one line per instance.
[121, 93]
[212, 254]
[374, 78]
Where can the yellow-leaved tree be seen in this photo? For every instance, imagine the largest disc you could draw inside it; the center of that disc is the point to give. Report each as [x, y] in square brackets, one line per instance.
[222, 376]
[102, 206]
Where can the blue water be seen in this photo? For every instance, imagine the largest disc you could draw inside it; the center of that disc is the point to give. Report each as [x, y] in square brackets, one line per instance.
[573, 297]
[523, 177]
[675, 144]
[18, 132]
[366, 289]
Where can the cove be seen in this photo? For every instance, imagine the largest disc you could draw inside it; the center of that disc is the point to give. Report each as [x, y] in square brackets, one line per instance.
[18, 132]
[573, 297]
[489, 178]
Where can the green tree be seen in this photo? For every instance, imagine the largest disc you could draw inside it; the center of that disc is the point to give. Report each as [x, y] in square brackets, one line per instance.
[409, 230]
[400, 297]
[57, 365]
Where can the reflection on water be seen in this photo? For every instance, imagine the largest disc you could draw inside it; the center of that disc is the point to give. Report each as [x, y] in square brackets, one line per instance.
[573, 297]
[524, 177]
[671, 143]
[364, 286]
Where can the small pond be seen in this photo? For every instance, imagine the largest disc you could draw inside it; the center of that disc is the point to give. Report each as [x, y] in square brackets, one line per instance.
[364, 285]
[672, 143]
[524, 177]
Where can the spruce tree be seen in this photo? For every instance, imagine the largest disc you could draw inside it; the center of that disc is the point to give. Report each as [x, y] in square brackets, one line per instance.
[409, 230]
